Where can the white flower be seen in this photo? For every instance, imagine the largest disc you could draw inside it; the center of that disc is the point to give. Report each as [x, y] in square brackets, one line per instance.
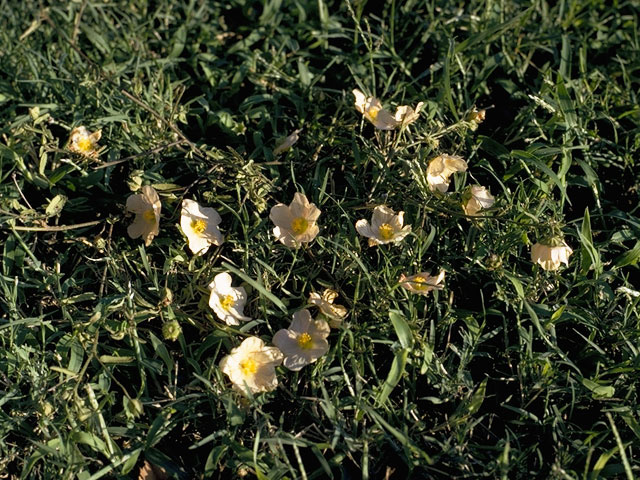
[85, 143]
[304, 341]
[146, 206]
[422, 283]
[406, 115]
[200, 225]
[324, 302]
[477, 198]
[287, 143]
[226, 301]
[440, 169]
[386, 226]
[251, 366]
[296, 223]
[550, 257]
[381, 118]
[372, 110]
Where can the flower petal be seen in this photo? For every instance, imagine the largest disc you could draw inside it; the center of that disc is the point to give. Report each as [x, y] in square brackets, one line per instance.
[364, 229]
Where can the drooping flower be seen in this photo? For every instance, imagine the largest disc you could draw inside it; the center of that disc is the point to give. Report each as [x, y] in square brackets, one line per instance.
[251, 366]
[372, 110]
[85, 143]
[226, 301]
[406, 115]
[422, 283]
[295, 224]
[200, 225]
[335, 313]
[304, 341]
[477, 198]
[386, 226]
[381, 118]
[146, 205]
[440, 169]
[549, 257]
[287, 143]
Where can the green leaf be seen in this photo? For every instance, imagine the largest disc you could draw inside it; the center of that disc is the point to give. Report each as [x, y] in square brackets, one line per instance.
[602, 391]
[403, 331]
[394, 376]
[589, 253]
[131, 462]
[630, 257]
[258, 286]
[111, 359]
[477, 398]
[566, 104]
[55, 206]
[178, 41]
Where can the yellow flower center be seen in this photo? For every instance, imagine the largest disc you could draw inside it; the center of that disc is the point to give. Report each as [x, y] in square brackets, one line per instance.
[299, 225]
[198, 226]
[226, 302]
[420, 283]
[372, 113]
[248, 367]
[85, 144]
[305, 341]
[385, 231]
[149, 215]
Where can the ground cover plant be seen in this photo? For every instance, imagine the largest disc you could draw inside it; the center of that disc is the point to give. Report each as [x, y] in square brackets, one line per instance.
[460, 301]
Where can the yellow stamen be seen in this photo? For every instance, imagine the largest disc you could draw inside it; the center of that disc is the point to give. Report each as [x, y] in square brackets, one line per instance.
[372, 113]
[248, 367]
[385, 231]
[149, 216]
[305, 341]
[198, 226]
[420, 283]
[299, 225]
[85, 144]
[226, 302]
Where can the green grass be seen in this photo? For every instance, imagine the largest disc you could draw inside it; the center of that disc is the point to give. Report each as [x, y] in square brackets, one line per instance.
[508, 372]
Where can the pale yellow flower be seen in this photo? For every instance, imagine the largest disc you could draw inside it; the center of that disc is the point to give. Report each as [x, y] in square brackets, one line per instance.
[287, 143]
[406, 115]
[200, 225]
[85, 143]
[226, 301]
[440, 169]
[372, 110]
[251, 366]
[422, 283]
[476, 116]
[146, 206]
[477, 198]
[304, 341]
[386, 226]
[324, 302]
[295, 224]
[549, 257]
